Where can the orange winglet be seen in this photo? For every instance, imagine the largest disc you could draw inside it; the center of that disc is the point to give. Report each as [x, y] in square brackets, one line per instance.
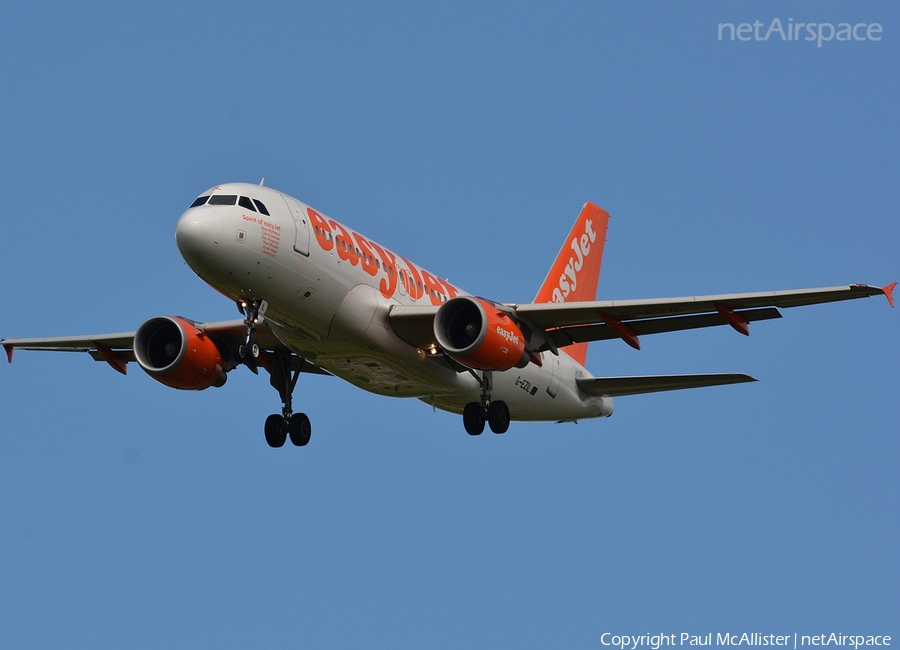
[889, 292]
[112, 357]
[9, 351]
[621, 330]
[738, 322]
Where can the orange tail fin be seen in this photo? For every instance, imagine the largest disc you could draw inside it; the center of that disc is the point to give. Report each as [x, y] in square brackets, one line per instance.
[576, 270]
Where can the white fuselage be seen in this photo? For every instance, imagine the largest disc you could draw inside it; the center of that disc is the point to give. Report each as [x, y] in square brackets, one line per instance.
[329, 291]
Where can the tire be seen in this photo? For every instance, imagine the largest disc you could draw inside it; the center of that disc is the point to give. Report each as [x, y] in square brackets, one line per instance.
[300, 429]
[472, 419]
[248, 353]
[498, 416]
[276, 432]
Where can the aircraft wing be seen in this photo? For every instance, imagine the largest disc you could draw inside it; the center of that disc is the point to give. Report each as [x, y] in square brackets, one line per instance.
[560, 324]
[86, 343]
[118, 349]
[618, 386]
[567, 323]
[549, 315]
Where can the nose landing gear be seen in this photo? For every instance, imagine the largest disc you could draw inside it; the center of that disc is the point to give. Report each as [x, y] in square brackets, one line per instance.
[248, 352]
[496, 413]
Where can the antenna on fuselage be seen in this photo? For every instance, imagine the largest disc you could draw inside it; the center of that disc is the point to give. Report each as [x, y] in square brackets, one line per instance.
[262, 181]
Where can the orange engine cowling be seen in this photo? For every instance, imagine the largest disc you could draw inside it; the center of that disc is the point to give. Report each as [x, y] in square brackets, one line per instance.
[177, 354]
[479, 335]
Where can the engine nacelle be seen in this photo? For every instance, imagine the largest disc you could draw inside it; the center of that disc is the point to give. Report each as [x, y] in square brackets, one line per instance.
[479, 335]
[177, 354]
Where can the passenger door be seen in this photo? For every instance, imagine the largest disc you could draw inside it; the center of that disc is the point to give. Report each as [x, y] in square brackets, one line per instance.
[301, 225]
[553, 388]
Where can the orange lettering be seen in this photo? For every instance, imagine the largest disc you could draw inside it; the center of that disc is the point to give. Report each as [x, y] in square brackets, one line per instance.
[390, 270]
[414, 281]
[451, 290]
[368, 260]
[432, 287]
[345, 248]
[320, 228]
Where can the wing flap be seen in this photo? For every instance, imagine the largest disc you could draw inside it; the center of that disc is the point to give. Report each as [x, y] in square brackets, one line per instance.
[619, 386]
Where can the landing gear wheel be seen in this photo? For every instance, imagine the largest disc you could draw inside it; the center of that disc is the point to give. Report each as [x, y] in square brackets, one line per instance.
[276, 430]
[498, 416]
[299, 429]
[248, 352]
[283, 377]
[473, 420]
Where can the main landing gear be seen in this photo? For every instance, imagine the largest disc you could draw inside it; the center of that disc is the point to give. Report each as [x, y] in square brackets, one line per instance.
[295, 426]
[283, 377]
[496, 413]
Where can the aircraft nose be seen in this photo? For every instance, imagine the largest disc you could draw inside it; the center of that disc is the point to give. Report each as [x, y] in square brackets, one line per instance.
[198, 233]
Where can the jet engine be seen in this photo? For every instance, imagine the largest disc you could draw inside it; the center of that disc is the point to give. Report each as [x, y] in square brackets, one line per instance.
[175, 353]
[478, 335]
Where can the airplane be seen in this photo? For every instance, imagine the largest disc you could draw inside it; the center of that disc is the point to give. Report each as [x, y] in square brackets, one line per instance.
[318, 297]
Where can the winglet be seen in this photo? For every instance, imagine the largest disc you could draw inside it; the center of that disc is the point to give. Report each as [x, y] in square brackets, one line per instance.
[112, 358]
[889, 292]
[9, 350]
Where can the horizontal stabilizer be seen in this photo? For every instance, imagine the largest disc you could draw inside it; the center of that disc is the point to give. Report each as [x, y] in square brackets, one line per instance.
[617, 386]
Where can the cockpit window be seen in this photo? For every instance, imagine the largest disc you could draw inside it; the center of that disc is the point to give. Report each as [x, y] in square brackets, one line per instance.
[223, 199]
[262, 208]
[200, 200]
[244, 202]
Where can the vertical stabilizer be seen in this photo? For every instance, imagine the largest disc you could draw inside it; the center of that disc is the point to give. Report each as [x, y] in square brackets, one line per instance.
[576, 270]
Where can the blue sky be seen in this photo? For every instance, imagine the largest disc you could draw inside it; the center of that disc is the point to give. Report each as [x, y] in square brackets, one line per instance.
[466, 137]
